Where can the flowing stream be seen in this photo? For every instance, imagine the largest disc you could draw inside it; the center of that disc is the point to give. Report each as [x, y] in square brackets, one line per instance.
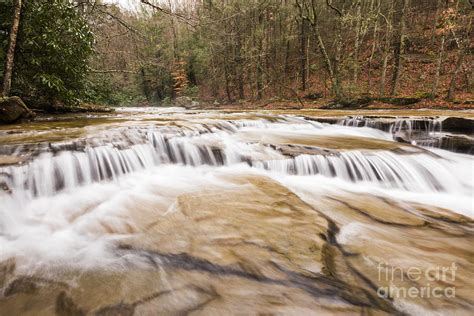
[166, 211]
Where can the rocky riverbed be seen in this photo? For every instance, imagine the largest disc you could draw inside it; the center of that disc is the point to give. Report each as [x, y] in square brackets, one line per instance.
[167, 211]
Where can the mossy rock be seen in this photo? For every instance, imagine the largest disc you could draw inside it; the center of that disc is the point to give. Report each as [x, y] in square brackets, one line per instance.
[313, 96]
[349, 103]
[400, 101]
[366, 101]
[13, 109]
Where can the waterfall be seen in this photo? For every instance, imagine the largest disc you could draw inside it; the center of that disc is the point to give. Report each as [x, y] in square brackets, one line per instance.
[422, 173]
[407, 125]
[69, 165]
[426, 132]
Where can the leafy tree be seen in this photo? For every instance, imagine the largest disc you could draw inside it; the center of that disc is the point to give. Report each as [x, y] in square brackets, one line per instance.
[53, 48]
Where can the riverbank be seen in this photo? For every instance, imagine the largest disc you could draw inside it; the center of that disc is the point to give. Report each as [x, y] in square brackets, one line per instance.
[78, 108]
[363, 104]
[14, 110]
[358, 103]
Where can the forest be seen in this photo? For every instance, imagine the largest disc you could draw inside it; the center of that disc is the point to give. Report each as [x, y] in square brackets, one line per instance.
[236, 157]
[305, 52]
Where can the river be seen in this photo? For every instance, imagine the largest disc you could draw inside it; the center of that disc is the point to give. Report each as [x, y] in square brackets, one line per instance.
[169, 211]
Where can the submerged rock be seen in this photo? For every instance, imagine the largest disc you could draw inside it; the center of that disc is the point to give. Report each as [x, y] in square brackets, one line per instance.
[66, 306]
[296, 150]
[13, 109]
[7, 269]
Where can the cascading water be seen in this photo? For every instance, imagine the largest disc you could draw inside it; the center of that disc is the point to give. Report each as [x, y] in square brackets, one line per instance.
[194, 192]
[49, 172]
[426, 132]
[408, 125]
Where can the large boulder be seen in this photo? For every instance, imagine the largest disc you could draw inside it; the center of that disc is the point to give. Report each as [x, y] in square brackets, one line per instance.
[12, 109]
[186, 102]
[399, 101]
[366, 101]
[349, 103]
[183, 101]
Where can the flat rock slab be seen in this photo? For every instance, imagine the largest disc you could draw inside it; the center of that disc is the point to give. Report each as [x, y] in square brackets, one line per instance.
[253, 246]
[342, 143]
[6, 160]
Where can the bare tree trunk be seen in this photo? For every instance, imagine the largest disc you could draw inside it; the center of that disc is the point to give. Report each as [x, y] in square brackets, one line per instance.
[302, 55]
[452, 85]
[175, 37]
[327, 60]
[399, 49]
[259, 78]
[463, 50]
[374, 46]
[8, 70]
[388, 40]
[240, 75]
[470, 79]
[215, 81]
[259, 68]
[438, 68]
[176, 57]
[307, 59]
[287, 58]
[384, 74]
[227, 82]
[331, 68]
[146, 88]
[337, 61]
[357, 41]
[257, 39]
[435, 22]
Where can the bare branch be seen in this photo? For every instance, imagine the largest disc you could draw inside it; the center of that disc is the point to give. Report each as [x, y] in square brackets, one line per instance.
[329, 3]
[181, 17]
[114, 71]
[123, 23]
